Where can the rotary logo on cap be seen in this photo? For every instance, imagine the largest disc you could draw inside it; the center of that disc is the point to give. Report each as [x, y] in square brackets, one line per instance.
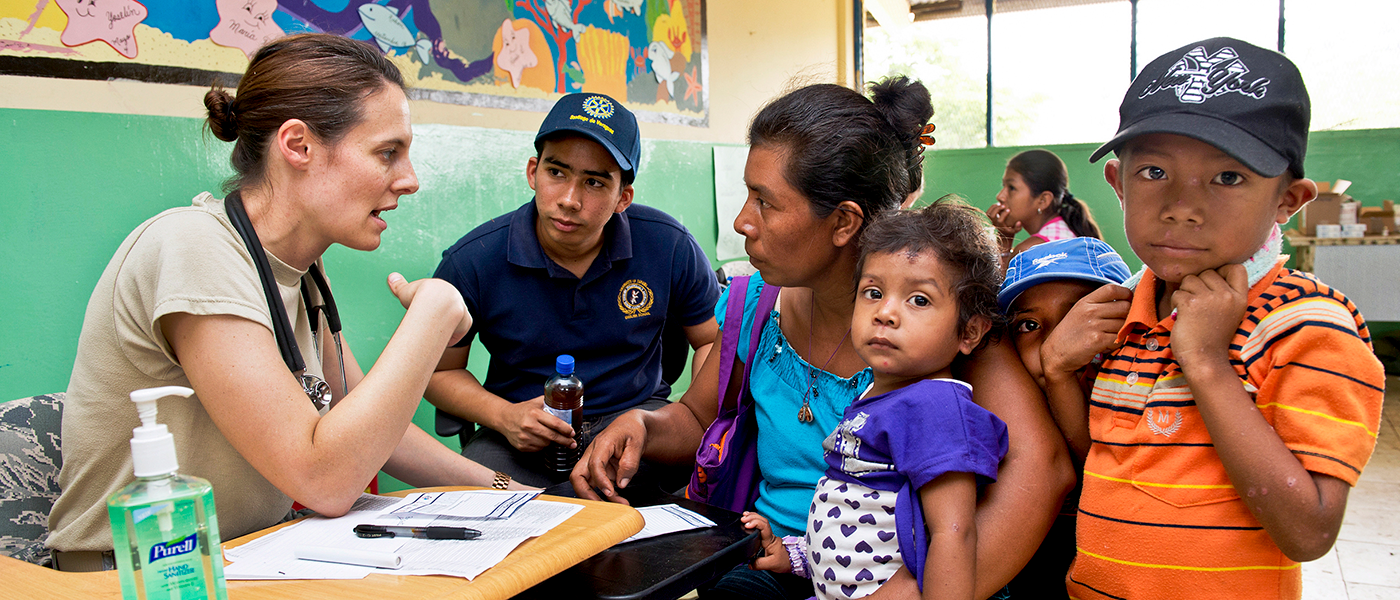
[598, 107]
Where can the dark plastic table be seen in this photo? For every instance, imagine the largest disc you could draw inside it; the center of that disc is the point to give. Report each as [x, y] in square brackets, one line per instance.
[664, 567]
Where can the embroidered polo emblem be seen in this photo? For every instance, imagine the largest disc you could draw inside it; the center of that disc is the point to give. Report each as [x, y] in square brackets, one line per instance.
[635, 299]
[1162, 423]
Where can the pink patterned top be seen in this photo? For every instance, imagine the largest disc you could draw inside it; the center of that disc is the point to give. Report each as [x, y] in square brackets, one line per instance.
[1054, 230]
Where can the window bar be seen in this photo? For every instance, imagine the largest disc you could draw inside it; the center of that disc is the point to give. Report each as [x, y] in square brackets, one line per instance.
[858, 42]
[989, 73]
[1132, 42]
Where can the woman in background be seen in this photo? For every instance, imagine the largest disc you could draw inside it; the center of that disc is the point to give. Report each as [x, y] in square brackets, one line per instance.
[1035, 197]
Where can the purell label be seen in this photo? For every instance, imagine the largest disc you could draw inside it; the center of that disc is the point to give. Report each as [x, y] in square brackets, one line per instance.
[173, 548]
[566, 416]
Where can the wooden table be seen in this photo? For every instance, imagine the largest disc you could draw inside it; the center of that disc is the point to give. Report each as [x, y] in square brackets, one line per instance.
[595, 528]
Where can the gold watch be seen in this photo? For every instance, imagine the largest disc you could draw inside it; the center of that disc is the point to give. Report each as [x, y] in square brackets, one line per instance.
[500, 481]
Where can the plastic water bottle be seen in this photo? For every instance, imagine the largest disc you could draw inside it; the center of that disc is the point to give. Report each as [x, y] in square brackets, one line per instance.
[563, 398]
[165, 534]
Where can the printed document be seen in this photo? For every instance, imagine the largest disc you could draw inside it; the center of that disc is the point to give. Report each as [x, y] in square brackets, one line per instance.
[274, 556]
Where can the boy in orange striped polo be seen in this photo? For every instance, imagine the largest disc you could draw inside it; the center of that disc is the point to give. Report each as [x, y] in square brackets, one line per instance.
[1241, 399]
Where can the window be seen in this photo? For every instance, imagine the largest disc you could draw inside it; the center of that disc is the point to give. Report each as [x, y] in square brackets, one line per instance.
[1165, 25]
[1349, 54]
[1060, 67]
[1059, 74]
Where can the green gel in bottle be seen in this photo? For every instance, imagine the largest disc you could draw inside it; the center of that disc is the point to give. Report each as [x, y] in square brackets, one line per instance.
[164, 531]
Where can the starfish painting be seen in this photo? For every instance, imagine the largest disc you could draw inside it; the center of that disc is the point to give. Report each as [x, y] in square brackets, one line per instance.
[245, 24]
[112, 21]
[692, 85]
[515, 55]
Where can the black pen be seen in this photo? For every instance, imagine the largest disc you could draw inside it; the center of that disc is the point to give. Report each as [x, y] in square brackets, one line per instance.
[429, 533]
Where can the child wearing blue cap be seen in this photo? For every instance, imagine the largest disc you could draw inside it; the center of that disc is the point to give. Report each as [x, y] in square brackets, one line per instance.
[1042, 285]
[904, 465]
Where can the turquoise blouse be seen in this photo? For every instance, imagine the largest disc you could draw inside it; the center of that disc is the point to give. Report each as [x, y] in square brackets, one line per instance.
[790, 453]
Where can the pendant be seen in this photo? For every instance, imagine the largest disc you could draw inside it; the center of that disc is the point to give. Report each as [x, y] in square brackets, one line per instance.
[804, 415]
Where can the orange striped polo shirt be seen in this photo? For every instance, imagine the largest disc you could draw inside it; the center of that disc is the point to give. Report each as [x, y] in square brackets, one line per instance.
[1159, 517]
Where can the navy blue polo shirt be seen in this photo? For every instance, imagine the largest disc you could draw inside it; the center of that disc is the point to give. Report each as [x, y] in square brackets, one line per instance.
[527, 309]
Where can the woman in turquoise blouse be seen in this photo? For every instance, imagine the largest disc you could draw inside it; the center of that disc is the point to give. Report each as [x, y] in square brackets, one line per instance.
[823, 161]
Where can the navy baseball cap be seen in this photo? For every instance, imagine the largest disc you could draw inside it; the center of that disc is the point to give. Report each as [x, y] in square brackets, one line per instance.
[601, 119]
[1247, 101]
[1082, 258]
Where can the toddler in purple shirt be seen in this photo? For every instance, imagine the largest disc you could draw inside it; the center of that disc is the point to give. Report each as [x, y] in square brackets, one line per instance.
[900, 488]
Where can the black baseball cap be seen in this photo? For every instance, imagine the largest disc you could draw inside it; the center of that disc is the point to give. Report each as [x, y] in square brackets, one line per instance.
[1247, 101]
[601, 119]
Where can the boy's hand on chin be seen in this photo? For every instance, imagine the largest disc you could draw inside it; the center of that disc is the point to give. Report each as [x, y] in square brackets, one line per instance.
[1089, 328]
[1209, 308]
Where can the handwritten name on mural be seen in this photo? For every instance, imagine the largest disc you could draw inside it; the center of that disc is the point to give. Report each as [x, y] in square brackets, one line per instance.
[125, 13]
[240, 30]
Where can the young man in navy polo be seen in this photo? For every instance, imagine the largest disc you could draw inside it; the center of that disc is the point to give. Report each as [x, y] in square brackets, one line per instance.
[579, 270]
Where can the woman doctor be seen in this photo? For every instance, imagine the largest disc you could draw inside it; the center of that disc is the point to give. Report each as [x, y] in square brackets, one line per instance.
[321, 131]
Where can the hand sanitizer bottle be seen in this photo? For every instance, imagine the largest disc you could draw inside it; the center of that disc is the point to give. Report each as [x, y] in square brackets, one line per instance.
[164, 532]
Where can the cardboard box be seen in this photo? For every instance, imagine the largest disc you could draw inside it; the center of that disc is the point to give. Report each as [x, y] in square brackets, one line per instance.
[1379, 220]
[1325, 209]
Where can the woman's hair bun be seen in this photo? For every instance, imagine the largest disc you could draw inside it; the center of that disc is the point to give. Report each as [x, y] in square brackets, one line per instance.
[222, 122]
[905, 105]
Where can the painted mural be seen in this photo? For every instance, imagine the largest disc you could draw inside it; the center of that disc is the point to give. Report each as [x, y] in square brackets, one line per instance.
[518, 54]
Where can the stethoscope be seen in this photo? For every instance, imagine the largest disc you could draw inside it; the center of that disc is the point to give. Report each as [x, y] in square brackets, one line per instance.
[315, 387]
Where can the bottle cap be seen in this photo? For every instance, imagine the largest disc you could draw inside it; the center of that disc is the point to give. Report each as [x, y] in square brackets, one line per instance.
[152, 446]
[564, 365]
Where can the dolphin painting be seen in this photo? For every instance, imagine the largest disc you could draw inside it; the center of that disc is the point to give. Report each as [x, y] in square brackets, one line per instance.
[559, 12]
[660, 56]
[390, 32]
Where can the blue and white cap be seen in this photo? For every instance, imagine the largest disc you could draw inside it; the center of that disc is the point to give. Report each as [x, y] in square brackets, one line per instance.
[1081, 258]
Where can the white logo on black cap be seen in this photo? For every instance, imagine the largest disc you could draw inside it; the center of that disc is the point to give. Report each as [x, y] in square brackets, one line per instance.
[1198, 76]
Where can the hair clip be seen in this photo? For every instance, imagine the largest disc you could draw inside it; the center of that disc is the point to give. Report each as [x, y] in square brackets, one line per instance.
[925, 140]
[926, 135]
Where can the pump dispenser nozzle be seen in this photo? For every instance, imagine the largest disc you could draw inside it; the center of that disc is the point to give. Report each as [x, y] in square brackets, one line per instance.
[152, 446]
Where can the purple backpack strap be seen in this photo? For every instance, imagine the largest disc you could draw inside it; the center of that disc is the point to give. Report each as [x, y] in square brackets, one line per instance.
[726, 462]
[729, 345]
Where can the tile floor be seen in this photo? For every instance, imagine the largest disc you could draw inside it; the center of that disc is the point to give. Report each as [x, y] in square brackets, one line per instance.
[1365, 563]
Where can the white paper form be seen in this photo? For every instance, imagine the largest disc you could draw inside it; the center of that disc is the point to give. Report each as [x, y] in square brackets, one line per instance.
[274, 556]
[480, 504]
[668, 518]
